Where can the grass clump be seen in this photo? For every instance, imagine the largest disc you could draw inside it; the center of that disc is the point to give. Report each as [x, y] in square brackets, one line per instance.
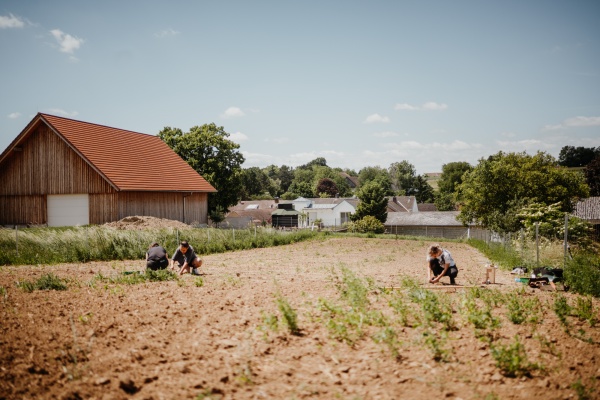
[290, 317]
[135, 277]
[512, 359]
[45, 282]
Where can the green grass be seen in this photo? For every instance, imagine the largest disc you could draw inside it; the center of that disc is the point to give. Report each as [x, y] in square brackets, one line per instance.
[45, 282]
[99, 243]
[289, 315]
[512, 359]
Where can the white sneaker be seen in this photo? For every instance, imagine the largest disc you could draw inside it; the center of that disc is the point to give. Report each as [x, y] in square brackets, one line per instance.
[195, 271]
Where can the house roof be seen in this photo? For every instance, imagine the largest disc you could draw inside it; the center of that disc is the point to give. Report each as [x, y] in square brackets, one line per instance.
[588, 209]
[423, 207]
[129, 161]
[426, 218]
[401, 203]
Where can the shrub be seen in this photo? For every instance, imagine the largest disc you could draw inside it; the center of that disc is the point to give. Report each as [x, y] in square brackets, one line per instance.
[582, 274]
[369, 224]
[45, 282]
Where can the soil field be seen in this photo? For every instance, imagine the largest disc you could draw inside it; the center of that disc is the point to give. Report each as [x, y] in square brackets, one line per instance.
[223, 335]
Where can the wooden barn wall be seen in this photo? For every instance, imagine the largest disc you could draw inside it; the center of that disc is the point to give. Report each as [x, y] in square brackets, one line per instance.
[46, 165]
[165, 205]
[103, 208]
[23, 210]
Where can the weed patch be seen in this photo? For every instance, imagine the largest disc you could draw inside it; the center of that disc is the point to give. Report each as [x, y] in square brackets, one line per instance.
[45, 282]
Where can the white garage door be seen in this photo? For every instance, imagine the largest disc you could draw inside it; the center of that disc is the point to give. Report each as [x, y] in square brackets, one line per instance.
[68, 210]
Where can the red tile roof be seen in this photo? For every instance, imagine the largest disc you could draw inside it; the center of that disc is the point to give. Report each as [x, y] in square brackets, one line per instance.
[131, 161]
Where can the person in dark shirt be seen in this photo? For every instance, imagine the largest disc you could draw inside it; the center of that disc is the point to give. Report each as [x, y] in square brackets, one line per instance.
[186, 258]
[156, 257]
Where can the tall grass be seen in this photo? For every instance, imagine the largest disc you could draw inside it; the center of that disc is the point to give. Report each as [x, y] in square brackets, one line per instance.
[98, 243]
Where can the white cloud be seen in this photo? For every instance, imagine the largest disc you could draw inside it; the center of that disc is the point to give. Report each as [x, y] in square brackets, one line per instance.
[68, 44]
[373, 118]
[428, 106]
[433, 106]
[166, 33]
[574, 122]
[233, 112]
[59, 111]
[386, 134]
[14, 115]
[11, 22]
[238, 137]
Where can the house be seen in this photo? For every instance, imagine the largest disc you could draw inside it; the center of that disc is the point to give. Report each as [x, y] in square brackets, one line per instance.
[285, 216]
[589, 210]
[402, 204]
[61, 172]
[330, 211]
[441, 224]
[251, 212]
[352, 181]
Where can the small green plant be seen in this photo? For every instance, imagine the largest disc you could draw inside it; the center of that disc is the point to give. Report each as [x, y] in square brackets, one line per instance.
[290, 316]
[512, 359]
[389, 336]
[584, 310]
[3, 292]
[45, 282]
[85, 318]
[270, 321]
[436, 341]
[583, 393]
[562, 310]
[436, 308]
[199, 282]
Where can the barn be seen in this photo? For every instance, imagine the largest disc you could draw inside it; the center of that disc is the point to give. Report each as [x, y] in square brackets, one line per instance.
[63, 172]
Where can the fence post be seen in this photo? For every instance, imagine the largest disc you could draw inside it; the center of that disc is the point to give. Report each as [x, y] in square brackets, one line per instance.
[537, 245]
[566, 244]
[17, 239]
[233, 230]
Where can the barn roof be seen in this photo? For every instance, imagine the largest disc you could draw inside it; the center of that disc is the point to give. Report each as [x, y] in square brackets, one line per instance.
[426, 218]
[130, 161]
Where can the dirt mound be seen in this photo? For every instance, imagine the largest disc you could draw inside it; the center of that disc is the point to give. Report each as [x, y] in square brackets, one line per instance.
[144, 222]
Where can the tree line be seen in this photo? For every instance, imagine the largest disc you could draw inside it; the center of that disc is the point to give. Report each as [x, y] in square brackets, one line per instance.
[496, 193]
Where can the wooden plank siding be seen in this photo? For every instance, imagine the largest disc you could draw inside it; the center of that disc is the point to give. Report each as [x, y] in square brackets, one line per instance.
[23, 210]
[47, 165]
[165, 205]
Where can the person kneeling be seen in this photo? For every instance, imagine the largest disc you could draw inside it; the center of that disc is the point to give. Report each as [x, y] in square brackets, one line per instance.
[156, 257]
[440, 263]
[187, 260]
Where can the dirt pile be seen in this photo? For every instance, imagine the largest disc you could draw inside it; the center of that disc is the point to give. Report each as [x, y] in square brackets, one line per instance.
[144, 222]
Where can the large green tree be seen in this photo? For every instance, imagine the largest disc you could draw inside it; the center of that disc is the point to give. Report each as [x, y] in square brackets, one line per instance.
[571, 156]
[372, 202]
[592, 176]
[208, 150]
[402, 175]
[501, 185]
[257, 185]
[377, 174]
[451, 177]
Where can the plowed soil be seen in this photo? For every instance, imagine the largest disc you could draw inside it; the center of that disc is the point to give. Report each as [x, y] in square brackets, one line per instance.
[213, 336]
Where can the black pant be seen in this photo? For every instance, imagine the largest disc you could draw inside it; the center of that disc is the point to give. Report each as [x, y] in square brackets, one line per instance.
[437, 269]
[157, 264]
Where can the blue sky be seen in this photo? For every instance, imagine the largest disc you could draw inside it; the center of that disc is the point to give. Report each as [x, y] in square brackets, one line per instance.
[359, 83]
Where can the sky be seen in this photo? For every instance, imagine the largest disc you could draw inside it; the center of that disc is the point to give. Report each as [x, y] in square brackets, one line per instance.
[358, 83]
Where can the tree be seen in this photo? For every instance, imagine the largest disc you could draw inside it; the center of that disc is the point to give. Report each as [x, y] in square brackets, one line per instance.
[326, 188]
[256, 184]
[499, 186]
[377, 174]
[282, 177]
[208, 150]
[372, 202]
[451, 177]
[592, 176]
[402, 175]
[571, 156]
[298, 189]
[422, 190]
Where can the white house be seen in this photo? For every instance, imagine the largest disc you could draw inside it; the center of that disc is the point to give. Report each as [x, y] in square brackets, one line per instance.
[331, 211]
